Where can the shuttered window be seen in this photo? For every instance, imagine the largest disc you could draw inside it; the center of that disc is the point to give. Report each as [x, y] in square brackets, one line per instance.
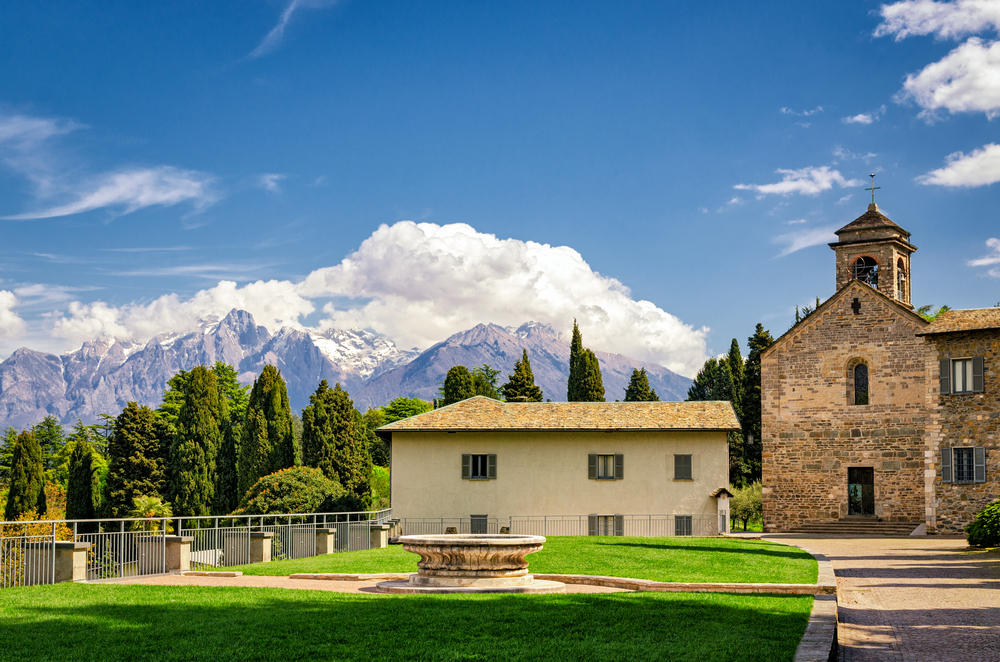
[479, 466]
[682, 467]
[605, 466]
[605, 525]
[963, 375]
[963, 465]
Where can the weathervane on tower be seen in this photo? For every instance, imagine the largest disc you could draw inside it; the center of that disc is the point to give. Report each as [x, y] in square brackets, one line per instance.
[873, 188]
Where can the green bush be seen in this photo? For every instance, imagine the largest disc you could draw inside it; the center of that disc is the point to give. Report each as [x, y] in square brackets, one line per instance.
[380, 487]
[293, 490]
[984, 531]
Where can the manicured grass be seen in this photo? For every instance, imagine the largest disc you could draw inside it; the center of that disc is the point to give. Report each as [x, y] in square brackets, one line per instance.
[661, 559]
[123, 622]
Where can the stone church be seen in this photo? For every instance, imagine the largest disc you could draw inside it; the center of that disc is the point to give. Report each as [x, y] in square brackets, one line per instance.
[872, 417]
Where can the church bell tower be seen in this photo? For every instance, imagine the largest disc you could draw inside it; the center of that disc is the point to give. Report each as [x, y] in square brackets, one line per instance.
[875, 251]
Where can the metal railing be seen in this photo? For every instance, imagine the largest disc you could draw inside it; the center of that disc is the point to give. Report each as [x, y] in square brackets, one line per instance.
[130, 547]
[648, 526]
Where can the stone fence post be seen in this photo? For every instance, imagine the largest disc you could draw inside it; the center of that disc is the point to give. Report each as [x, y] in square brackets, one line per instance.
[325, 539]
[378, 536]
[260, 546]
[70, 563]
[178, 553]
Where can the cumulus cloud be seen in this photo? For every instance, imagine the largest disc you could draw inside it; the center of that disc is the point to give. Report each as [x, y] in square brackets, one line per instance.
[274, 37]
[805, 181]
[11, 324]
[964, 81]
[946, 20]
[29, 147]
[978, 168]
[991, 260]
[865, 118]
[804, 238]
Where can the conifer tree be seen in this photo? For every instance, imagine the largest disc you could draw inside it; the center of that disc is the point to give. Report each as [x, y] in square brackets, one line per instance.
[136, 464]
[7, 442]
[333, 442]
[261, 455]
[758, 342]
[27, 478]
[484, 381]
[235, 398]
[521, 385]
[638, 389]
[591, 384]
[574, 384]
[196, 444]
[51, 439]
[83, 486]
[736, 369]
[458, 385]
[254, 451]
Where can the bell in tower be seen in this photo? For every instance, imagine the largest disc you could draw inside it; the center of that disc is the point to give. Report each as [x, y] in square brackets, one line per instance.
[875, 251]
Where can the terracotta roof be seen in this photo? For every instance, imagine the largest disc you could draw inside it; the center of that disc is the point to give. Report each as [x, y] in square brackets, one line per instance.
[481, 414]
[720, 491]
[954, 321]
[872, 218]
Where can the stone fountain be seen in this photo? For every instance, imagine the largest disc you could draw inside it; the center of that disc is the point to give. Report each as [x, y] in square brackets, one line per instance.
[472, 563]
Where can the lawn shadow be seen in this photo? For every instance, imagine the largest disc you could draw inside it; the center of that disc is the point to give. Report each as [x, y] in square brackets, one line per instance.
[792, 552]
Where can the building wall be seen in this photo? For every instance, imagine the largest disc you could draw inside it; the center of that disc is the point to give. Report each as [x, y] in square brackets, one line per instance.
[545, 473]
[964, 419]
[812, 433]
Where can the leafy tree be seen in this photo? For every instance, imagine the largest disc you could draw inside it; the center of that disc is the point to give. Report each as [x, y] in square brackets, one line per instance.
[746, 504]
[400, 408]
[591, 384]
[484, 381]
[333, 442]
[638, 389]
[520, 387]
[135, 459]
[83, 489]
[147, 506]
[929, 314]
[27, 478]
[380, 488]
[276, 449]
[575, 383]
[50, 439]
[7, 442]
[458, 385]
[196, 443]
[293, 490]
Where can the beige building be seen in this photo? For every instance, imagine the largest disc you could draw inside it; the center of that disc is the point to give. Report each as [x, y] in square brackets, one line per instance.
[615, 468]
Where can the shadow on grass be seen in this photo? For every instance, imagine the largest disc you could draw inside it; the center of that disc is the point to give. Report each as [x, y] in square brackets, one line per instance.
[219, 624]
[788, 552]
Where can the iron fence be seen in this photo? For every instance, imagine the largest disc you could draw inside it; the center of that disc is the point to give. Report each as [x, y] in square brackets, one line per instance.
[647, 526]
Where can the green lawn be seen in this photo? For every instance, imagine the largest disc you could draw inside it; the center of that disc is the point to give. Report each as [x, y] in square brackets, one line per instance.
[119, 622]
[661, 559]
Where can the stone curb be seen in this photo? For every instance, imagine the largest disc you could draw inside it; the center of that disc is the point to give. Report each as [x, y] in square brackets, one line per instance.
[625, 583]
[819, 642]
[212, 573]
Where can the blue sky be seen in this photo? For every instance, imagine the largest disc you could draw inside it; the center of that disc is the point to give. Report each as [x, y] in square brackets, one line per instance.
[668, 173]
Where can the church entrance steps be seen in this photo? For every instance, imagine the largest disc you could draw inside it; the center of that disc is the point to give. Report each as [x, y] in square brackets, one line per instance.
[856, 526]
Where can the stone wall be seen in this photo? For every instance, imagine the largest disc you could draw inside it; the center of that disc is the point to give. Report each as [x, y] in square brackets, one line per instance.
[965, 419]
[812, 431]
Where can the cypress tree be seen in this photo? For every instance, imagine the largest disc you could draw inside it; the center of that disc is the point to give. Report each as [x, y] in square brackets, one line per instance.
[234, 396]
[135, 460]
[196, 444]
[736, 368]
[254, 451]
[521, 385]
[27, 478]
[574, 384]
[83, 486]
[264, 451]
[458, 385]
[591, 383]
[638, 389]
[758, 342]
[333, 442]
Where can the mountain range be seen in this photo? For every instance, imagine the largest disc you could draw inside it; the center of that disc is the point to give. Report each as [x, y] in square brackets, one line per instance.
[106, 373]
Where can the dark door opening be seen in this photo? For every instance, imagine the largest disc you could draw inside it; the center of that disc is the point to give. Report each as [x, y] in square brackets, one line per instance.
[861, 491]
[479, 524]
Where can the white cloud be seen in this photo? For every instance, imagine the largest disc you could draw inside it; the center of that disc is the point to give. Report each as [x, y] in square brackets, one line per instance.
[785, 110]
[843, 153]
[964, 81]
[978, 168]
[804, 238]
[991, 260]
[805, 181]
[865, 118]
[947, 20]
[796, 221]
[271, 181]
[11, 324]
[274, 37]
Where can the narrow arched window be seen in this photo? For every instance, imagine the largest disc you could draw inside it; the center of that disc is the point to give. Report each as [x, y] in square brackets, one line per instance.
[900, 280]
[861, 384]
[866, 270]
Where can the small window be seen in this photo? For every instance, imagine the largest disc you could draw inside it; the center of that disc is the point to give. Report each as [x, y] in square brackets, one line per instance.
[866, 271]
[479, 466]
[682, 524]
[682, 467]
[965, 375]
[861, 384]
[961, 376]
[964, 465]
[605, 467]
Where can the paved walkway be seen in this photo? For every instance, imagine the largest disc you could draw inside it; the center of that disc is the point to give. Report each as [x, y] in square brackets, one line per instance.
[920, 598]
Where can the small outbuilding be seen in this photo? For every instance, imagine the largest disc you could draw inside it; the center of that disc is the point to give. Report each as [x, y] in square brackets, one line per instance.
[613, 468]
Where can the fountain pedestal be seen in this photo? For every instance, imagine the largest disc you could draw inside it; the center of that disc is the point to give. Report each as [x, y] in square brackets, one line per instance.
[472, 563]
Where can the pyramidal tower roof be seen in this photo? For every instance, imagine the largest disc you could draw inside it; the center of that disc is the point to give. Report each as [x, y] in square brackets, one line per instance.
[873, 225]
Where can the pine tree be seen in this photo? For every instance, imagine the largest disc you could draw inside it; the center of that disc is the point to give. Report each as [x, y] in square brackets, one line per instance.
[51, 440]
[83, 486]
[574, 383]
[484, 381]
[333, 442]
[591, 384]
[521, 385]
[135, 459]
[27, 478]
[638, 389]
[458, 385]
[196, 443]
[7, 442]
[264, 451]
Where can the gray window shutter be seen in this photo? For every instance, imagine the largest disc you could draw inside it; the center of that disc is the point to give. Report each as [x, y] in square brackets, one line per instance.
[946, 465]
[619, 466]
[591, 525]
[491, 465]
[466, 466]
[945, 377]
[979, 464]
[619, 525]
[592, 467]
[977, 374]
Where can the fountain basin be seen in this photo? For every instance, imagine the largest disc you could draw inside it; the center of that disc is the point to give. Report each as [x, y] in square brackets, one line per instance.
[472, 563]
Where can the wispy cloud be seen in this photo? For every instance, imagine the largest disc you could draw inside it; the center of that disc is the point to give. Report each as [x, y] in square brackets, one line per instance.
[990, 260]
[978, 168]
[841, 152]
[947, 20]
[810, 180]
[148, 249]
[785, 110]
[271, 181]
[210, 271]
[273, 39]
[804, 238]
[865, 118]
